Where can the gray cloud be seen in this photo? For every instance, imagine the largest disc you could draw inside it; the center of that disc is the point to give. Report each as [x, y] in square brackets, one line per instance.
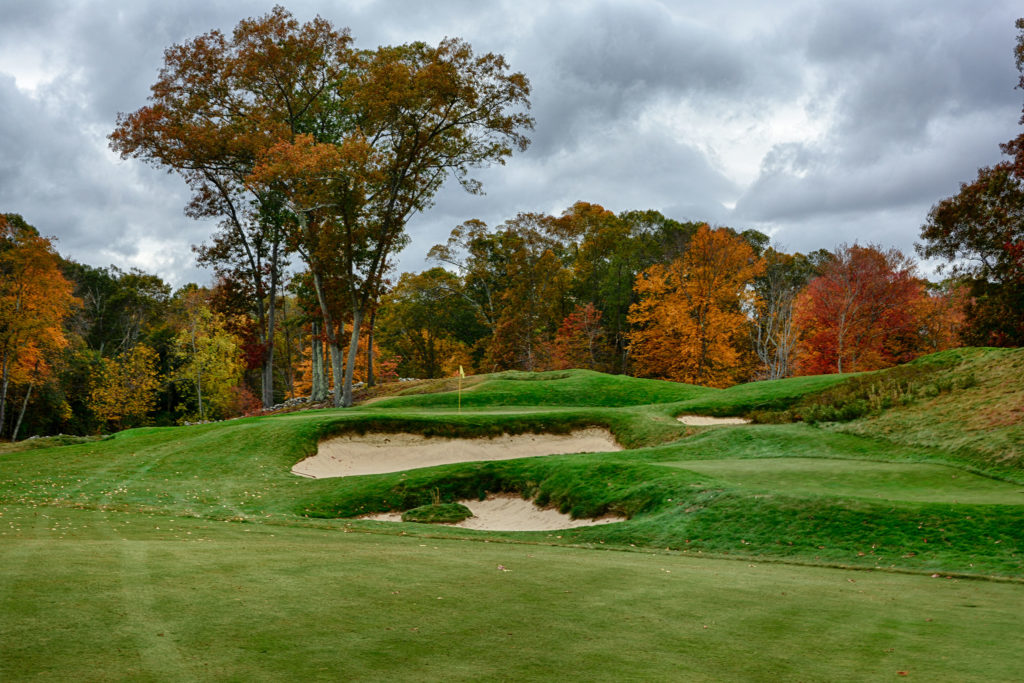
[904, 100]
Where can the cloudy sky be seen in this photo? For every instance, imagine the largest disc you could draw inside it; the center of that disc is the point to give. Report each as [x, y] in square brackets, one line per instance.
[815, 122]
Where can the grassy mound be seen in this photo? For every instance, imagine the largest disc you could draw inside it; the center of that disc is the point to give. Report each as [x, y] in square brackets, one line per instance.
[438, 513]
[98, 537]
[564, 388]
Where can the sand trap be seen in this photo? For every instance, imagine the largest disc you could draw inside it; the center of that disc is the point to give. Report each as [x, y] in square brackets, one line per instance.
[509, 513]
[702, 421]
[353, 454]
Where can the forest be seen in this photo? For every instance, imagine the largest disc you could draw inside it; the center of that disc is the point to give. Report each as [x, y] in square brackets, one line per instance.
[313, 155]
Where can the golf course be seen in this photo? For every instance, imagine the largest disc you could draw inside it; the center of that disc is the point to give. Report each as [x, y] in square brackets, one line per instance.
[848, 527]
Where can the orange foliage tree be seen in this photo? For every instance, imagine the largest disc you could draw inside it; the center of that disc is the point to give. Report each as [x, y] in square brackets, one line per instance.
[863, 312]
[34, 300]
[690, 325]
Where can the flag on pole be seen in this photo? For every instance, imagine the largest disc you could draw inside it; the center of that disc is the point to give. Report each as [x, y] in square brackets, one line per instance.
[462, 373]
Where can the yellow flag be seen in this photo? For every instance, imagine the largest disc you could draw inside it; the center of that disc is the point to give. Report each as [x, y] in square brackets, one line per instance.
[462, 373]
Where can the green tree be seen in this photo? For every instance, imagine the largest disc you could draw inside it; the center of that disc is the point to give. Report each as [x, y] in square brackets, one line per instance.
[207, 357]
[426, 321]
[613, 250]
[517, 282]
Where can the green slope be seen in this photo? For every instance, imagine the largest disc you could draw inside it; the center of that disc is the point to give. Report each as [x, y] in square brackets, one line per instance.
[193, 553]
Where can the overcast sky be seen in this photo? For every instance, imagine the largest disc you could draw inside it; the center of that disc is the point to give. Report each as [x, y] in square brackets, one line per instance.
[815, 122]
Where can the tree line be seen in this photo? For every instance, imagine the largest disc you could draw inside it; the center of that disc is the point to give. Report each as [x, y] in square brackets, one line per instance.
[313, 155]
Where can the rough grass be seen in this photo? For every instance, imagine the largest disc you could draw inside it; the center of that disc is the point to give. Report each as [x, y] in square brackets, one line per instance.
[438, 513]
[982, 422]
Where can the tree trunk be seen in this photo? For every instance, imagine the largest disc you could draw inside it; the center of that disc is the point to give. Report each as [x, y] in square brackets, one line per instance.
[289, 372]
[337, 372]
[24, 404]
[319, 388]
[267, 372]
[3, 393]
[350, 366]
[369, 350]
[199, 374]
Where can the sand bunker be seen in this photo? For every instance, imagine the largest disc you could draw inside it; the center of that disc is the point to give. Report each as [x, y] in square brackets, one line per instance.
[509, 513]
[353, 454]
[702, 421]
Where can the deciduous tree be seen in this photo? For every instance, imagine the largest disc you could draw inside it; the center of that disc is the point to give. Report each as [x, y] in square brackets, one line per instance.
[847, 316]
[981, 231]
[35, 298]
[689, 324]
[207, 357]
[125, 389]
[773, 332]
[426, 321]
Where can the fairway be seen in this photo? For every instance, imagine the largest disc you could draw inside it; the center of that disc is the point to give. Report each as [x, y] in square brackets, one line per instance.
[877, 480]
[146, 598]
[759, 552]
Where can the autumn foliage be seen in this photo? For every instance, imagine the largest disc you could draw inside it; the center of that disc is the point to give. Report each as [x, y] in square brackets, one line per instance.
[866, 311]
[35, 299]
[690, 324]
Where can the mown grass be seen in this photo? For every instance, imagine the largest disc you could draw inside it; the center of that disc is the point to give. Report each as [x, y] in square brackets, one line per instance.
[883, 492]
[94, 596]
[566, 388]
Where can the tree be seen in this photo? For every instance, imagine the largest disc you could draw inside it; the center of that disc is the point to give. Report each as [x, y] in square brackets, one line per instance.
[613, 250]
[117, 308]
[774, 334]
[218, 104]
[426, 321]
[409, 117]
[579, 340]
[981, 230]
[124, 392]
[847, 316]
[207, 355]
[35, 298]
[238, 117]
[689, 324]
[517, 282]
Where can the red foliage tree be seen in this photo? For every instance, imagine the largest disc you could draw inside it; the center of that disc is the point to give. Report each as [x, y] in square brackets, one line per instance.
[863, 312]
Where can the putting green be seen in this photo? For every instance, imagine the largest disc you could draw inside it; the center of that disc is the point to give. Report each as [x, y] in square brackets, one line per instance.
[861, 479]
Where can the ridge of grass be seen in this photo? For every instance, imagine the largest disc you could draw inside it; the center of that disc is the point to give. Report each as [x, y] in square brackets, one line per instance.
[577, 388]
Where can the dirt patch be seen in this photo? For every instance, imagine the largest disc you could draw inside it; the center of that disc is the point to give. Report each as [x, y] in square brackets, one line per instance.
[509, 513]
[702, 421]
[353, 454]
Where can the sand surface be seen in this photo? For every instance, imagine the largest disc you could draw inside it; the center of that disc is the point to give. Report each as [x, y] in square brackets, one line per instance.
[353, 454]
[702, 421]
[509, 513]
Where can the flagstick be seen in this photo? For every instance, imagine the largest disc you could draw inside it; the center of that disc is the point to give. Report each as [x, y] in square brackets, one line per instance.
[460, 393]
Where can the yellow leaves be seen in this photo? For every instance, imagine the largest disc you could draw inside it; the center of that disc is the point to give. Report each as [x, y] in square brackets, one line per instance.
[125, 388]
